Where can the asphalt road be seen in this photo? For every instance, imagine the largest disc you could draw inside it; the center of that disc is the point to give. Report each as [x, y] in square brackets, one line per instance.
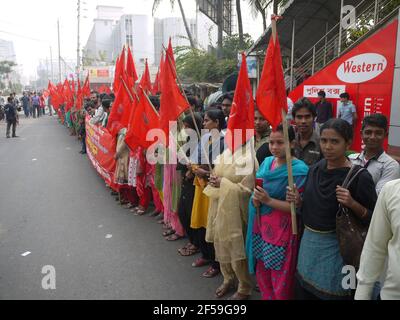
[56, 211]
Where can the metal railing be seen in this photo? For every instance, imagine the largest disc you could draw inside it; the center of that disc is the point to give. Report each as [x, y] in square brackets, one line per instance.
[338, 40]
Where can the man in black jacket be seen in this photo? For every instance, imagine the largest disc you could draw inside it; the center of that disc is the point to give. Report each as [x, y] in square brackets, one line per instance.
[11, 117]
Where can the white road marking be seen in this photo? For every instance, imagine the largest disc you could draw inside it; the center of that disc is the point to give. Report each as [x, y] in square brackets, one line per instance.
[26, 254]
[109, 236]
[34, 159]
[100, 226]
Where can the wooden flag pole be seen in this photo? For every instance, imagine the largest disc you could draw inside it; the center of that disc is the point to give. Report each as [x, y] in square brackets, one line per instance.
[191, 113]
[287, 143]
[127, 90]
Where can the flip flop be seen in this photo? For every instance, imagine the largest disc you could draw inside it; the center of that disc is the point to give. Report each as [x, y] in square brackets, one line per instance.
[211, 273]
[187, 252]
[168, 233]
[174, 237]
[200, 262]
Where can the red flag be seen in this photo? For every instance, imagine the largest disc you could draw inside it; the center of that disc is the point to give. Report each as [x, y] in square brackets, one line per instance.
[242, 111]
[173, 103]
[143, 119]
[86, 88]
[145, 82]
[119, 70]
[131, 69]
[271, 93]
[104, 89]
[170, 54]
[120, 111]
[68, 96]
[79, 97]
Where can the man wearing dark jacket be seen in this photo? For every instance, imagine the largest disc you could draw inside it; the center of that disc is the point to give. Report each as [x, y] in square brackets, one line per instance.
[11, 117]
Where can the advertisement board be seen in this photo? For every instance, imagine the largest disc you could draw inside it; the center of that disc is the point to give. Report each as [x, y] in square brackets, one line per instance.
[365, 72]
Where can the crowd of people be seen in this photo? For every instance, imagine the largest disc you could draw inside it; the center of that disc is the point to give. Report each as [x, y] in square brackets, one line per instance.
[239, 230]
[33, 105]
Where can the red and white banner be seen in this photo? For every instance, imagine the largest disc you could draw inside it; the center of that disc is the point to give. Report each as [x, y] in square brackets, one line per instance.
[366, 73]
[101, 146]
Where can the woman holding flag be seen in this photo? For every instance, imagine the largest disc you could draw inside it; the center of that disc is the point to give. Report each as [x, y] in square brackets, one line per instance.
[271, 247]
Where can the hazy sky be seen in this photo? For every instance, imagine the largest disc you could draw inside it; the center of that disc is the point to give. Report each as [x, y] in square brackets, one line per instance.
[32, 25]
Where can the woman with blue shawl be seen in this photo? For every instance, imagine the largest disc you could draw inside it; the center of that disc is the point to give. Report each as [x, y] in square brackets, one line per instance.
[270, 245]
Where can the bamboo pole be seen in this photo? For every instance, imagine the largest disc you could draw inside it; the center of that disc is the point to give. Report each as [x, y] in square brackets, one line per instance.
[287, 144]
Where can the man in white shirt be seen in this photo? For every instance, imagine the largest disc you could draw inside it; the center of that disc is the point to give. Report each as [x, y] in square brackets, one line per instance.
[99, 114]
[382, 243]
[381, 166]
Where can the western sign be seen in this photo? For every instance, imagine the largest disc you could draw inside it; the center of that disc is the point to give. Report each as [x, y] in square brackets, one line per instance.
[365, 72]
[362, 68]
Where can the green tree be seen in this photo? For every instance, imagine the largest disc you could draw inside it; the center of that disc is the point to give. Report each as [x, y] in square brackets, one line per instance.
[201, 66]
[261, 7]
[6, 67]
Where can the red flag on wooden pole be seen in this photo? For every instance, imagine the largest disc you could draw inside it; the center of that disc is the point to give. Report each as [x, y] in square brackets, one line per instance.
[272, 102]
[271, 93]
[242, 112]
[143, 118]
[173, 103]
[145, 82]
[131, 69]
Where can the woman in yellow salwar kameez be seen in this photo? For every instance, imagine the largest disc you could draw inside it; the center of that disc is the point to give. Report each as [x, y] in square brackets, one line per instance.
[229, 190]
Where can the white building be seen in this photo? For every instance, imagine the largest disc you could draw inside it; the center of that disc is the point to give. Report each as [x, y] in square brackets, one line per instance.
[99, 47]
[135, 31]
[7, 51]
[173, 28]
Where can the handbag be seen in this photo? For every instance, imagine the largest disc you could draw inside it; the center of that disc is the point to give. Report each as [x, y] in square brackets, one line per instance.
[351, 231]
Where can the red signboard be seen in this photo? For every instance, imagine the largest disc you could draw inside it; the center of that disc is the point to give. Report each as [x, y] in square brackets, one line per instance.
[366, 73]
[103, 73]
[101, 146]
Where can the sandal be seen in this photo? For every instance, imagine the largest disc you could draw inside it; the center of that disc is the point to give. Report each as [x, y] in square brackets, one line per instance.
[140, 212]
[200, 262]
[239, 296]
[188, 250]
[168, 233]
[223, 290]
[174, 237]
[211, 273]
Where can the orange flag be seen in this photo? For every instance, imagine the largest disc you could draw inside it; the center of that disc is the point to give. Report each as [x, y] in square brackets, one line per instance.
[173, 103]
[145, 82]
[242, 111]
[142, 119]
[271, 93]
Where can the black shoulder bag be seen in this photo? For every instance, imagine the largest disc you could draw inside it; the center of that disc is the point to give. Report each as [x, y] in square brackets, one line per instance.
[351, 232]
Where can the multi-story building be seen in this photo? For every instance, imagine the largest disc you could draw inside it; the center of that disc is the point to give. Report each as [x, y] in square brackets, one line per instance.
[99, 48]
[137, 32]
[173, 28]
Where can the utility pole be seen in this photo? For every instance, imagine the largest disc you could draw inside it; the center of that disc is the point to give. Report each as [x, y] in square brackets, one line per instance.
[220, 23]
[51, 64]
[59, 51]
[78, 55]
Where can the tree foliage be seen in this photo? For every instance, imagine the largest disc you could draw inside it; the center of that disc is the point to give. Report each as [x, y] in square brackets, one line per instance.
[6, 67]
[202, 66]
